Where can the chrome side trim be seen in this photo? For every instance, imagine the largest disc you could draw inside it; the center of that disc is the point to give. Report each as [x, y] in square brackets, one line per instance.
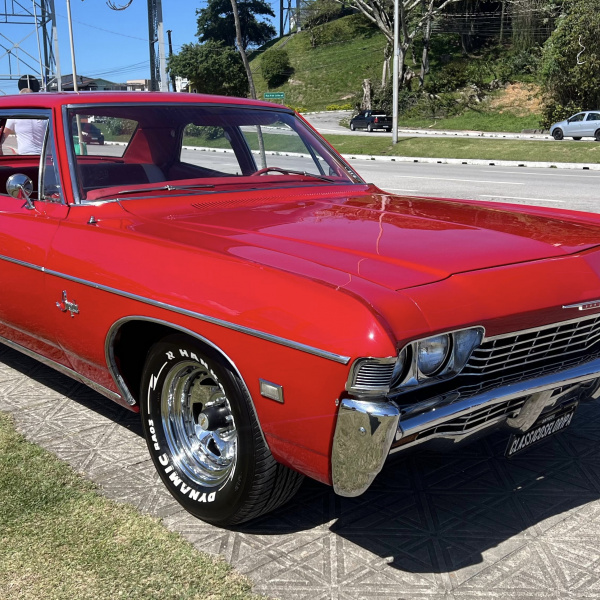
[411, 427]
[114, 371]
[22, 263]
[363, 435]
[344, 360]
[62, 369]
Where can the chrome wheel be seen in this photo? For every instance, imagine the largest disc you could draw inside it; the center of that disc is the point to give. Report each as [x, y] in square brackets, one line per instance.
[198, 424]
[203, 435]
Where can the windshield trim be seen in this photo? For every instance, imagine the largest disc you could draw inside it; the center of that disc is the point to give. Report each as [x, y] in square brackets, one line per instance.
[353, 177]
[213, 191]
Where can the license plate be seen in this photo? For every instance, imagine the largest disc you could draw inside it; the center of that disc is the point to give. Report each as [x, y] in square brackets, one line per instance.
[545, 427]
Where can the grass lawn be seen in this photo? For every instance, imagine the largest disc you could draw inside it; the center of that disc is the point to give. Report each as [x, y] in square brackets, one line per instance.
[59, 539]
[347, 51]
[575, 152]
[477, 121]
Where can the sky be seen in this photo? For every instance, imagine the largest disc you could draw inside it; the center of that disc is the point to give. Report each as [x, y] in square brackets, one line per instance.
[109, 44]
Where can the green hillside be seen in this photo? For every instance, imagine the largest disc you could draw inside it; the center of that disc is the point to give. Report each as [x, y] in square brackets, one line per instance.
[347, 51]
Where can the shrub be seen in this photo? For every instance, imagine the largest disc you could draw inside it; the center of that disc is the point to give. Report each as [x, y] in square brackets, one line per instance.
[116, 126]
[347, 106]
[553, 112]
[275, 67]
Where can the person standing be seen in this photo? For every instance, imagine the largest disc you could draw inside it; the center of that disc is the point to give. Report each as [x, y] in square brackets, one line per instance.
[30, 132]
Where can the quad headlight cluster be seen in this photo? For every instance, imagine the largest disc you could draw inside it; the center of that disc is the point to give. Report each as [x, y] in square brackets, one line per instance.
[421, 362]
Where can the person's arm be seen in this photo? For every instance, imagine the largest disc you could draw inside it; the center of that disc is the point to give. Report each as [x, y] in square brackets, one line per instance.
[7, 130]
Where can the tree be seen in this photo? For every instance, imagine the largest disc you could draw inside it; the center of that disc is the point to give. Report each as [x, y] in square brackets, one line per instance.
[212, 68]
[216, 23]
[275, 67]
[571, 61]
[414, 15]
[242, 51]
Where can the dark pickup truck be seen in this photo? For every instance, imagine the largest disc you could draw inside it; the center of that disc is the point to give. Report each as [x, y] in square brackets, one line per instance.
[371, 120]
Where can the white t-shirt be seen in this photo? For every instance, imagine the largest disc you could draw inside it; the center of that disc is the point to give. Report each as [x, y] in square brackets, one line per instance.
[30, 134]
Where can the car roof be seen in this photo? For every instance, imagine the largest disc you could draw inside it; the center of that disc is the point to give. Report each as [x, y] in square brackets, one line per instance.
[58, 99]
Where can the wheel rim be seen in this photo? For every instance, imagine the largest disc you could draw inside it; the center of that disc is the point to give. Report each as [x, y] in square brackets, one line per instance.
[207, 457]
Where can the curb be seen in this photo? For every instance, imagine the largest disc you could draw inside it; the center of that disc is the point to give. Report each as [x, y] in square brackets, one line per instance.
[473, 161]
[477, 134]
[420, 159]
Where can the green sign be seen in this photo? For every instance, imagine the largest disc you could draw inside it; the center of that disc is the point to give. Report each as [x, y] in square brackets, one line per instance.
[272, 95]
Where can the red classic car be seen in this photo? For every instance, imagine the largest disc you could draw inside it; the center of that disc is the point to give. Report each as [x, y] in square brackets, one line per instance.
[218, 268]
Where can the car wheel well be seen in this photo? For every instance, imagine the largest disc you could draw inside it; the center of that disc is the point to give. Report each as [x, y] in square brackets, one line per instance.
[130, 345]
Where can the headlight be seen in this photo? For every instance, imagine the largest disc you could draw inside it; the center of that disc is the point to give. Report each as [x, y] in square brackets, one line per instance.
[419, 363]
[432, 354]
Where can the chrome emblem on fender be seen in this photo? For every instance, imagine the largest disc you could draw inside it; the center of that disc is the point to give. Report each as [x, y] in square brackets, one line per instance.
[66, 305]
[585, 305]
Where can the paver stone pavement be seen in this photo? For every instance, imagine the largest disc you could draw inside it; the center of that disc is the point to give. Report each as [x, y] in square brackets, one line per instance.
[463, 525]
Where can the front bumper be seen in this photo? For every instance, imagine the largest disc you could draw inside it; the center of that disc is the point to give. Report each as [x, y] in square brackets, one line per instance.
[366, 430]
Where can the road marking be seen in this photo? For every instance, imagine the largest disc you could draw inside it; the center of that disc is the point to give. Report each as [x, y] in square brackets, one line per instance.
[519, 198]
[545, 174]
[467, 180]
[399, 190]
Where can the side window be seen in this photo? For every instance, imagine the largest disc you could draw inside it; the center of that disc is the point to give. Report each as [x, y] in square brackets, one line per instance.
[51, 190]
[22, 140]
[209, 148]
[23, 136]
[593, 117]
[576, 118]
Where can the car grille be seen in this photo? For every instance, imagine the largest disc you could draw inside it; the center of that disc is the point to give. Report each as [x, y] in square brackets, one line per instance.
[465, 424]
[536, 349]
[508, 359]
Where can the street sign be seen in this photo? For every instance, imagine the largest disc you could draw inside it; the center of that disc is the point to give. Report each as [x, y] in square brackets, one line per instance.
[29, 81]
[274, 95]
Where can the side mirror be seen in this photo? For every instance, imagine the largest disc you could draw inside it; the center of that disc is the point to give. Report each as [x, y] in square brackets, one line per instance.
[20, 186]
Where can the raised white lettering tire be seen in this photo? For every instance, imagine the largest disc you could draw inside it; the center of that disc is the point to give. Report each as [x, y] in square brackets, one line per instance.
[204, 437]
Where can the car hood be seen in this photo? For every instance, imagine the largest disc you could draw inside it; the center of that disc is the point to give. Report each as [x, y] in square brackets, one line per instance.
[393, 241]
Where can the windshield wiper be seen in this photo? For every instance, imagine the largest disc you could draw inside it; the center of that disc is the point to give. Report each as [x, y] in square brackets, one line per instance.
[165, 188]
[291, 172]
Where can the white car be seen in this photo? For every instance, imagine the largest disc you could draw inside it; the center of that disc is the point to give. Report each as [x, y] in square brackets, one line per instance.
[583, 124]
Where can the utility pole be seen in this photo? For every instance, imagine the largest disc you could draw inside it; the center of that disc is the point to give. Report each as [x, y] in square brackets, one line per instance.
[396, 74]
[171, 54]
[280, 18]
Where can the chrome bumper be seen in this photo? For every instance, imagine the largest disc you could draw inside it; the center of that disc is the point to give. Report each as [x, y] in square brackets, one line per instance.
[363, 435]
[366, 429]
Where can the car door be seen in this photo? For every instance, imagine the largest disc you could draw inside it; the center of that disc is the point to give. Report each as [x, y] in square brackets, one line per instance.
[592, 123]
[26, 232]
[575, 125]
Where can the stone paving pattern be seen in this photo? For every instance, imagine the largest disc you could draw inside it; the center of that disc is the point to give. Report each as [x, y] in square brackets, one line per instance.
[465, 525]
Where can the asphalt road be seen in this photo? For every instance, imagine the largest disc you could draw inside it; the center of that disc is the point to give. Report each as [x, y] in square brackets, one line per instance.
[328, 122]
[574, 189]
[571, 189]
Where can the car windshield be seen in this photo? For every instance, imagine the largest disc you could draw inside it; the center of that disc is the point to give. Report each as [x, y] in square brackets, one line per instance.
[122, 150]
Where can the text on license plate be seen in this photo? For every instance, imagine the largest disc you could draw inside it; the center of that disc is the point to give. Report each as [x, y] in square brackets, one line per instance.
[545, 427]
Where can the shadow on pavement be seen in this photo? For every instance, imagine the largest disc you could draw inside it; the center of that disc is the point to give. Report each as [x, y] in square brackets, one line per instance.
[427, 512]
